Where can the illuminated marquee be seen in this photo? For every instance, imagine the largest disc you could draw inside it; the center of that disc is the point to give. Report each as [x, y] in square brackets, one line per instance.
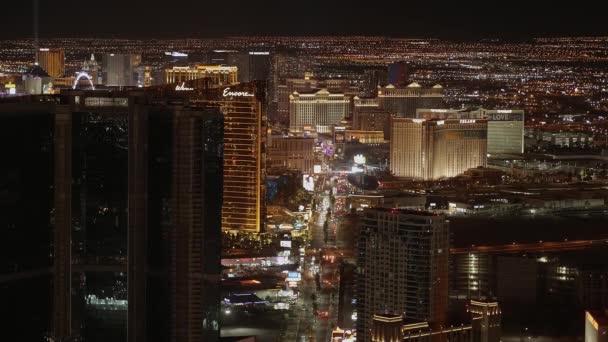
[467, 121]
[228, 93]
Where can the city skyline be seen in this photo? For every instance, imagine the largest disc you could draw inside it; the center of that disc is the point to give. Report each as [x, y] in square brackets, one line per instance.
[311, 172]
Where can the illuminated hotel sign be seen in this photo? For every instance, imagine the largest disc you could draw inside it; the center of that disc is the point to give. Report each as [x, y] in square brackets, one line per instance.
[176, 54]
[182, 87]
[228, 93]
[503, 116]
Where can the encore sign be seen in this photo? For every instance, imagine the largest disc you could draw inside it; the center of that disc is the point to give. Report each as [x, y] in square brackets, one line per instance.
[228, 93]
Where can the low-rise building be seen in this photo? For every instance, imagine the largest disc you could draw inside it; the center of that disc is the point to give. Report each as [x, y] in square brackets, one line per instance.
[365, 137]
[483, 325]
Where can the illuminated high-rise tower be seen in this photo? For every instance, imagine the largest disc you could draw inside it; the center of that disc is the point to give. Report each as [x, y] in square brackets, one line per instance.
[403, 101]
[52, 61]
[221, 75]
[308, 85]
[505, 126]
[119, 70]
[92, 68]
[433, 149]
[320, 110]
[244, 160]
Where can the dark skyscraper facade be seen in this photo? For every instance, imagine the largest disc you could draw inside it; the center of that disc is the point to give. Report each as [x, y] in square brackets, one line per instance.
[259, 65]
[26, 218]
[133, 190]
[403, 267]
[196, 215]
[399, 73]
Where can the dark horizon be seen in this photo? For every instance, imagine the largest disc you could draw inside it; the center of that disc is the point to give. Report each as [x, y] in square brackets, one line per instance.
[193, 19]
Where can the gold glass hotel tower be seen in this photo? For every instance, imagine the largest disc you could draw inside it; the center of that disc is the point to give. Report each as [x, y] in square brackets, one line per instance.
[52, 61]
[244, 163]
[433, 149]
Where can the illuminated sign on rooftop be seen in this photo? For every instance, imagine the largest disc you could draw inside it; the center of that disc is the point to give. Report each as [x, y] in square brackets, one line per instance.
[176, 54]
[182, 87]
[228, 93]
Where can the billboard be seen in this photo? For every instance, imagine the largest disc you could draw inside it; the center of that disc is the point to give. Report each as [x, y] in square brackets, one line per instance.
[308, 182]
[327, 149]
[294, 276]
[359, 159]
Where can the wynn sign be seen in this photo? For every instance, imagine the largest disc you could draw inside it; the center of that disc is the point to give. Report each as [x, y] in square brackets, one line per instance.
[182, 87]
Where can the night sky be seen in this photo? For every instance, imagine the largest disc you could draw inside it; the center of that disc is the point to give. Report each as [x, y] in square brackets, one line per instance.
[205, 18]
